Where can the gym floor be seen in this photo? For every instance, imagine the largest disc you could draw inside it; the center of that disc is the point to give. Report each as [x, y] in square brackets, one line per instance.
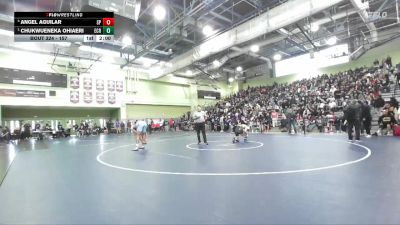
[271, 179]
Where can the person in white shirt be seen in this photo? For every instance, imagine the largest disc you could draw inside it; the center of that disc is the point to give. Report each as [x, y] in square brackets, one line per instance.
[141, 134]
[199, 118]
[221, 123]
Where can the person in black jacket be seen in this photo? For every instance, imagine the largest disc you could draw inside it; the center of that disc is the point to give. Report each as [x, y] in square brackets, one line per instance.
[353, 114]
[379, 102]
[5, 134]
[397, 74]
[291, 119]
[366, 118]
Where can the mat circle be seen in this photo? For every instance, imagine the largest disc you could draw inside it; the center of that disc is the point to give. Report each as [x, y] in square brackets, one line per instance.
[366, 149]
[190, 146]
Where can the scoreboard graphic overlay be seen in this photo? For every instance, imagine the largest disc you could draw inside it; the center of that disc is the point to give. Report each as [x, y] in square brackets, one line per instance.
[63, 26]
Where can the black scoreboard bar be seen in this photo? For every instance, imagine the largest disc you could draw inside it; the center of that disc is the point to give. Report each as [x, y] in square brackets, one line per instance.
[64, 26]
[60, 30]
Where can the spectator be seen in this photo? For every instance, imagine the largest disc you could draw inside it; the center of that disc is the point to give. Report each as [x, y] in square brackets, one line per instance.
[386, 122]
[366, 118]
[171, 124]
[274, 116]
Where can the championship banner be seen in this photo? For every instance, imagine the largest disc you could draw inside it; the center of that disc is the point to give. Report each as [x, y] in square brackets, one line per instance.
[120, 86]
[74, 96]
[111, 85]
[87, 83]
[111, 97]
[100, 97]
[74, 82]
[99, 85]
[87, 97]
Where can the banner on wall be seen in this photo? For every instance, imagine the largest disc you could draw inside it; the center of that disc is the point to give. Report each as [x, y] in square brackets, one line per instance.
[111, 85]
[74, 96]
[87, 97]
[100, 97]
[111, 97]
[74, 82]
[120, 86]
[22, 93]
[100, 85]
[87, 83]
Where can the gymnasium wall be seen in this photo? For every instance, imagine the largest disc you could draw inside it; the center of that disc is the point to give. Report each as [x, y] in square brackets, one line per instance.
[26, 112]
[39, 62]
[155, 111]
[163, 94]
[160, 93]
[148, 91]
[391, 48]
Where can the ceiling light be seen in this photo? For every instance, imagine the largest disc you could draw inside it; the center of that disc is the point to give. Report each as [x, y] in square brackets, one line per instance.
[239, 69]
[6, 32]
[231, 79]
[314, 27]
[159, 12]
[147, 64]
[189, 72]
[331, 40]
[216, 63]
[126, 40]
[255, 48]
[155, 70]
[277, 57]
[34, 46]
[208, 30]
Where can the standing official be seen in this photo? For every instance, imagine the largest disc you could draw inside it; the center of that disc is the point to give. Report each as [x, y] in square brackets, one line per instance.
[353, 116]
[199, 118]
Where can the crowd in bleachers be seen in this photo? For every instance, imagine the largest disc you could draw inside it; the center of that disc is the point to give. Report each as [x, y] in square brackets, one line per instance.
[315, 103]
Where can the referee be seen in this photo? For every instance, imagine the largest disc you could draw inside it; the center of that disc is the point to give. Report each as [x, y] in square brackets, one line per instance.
[199, 124]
